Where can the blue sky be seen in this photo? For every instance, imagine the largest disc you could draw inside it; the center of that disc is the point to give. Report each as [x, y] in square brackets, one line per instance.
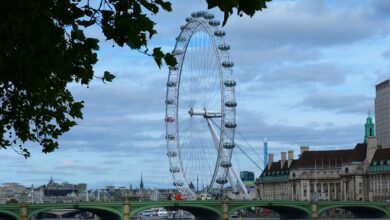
[306, 72]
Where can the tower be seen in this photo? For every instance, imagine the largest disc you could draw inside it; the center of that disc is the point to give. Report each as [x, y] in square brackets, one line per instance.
[382, 113]
[265, 155]
[369, 128]
[370, 140]
[141, 184]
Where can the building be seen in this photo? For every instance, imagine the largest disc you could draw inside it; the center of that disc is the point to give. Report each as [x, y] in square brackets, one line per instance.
[53, 189]
[382, 113]
[360, 173]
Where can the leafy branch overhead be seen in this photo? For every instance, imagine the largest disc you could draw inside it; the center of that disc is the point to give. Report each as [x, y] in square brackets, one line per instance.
[249, 7]
[43, 48]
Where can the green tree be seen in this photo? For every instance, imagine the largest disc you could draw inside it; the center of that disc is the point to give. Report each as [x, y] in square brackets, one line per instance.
[12, 201]
[43, 48]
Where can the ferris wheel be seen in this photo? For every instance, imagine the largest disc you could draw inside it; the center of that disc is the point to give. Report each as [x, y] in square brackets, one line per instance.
[201, 108]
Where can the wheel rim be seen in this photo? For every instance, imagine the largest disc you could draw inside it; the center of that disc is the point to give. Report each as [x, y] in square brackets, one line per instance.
[200, 102]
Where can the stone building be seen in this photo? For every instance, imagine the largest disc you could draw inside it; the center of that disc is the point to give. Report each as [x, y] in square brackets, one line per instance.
[361, 173]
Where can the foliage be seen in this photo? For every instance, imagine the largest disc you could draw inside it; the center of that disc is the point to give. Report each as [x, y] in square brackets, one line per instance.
[12, 201]
[43, 48]
[249, 7]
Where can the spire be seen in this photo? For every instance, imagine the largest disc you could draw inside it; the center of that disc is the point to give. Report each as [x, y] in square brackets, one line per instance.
[369, 128]
[141, 184]
[265, 153]
[51, 181]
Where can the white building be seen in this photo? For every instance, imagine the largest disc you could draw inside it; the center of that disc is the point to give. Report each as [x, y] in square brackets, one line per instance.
[361, 173]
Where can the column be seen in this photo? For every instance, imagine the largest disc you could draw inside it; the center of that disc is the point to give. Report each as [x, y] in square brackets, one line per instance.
[126, 210]
[314, 214]
[335, 191]
[345, 190]
[322, 191]
[23, 212]
[225, 209]
[329, 193]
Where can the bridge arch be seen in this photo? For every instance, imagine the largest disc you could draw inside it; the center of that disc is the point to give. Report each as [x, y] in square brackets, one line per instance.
[285, 211]
[105, 213]
[200, 211]
[359, 210]
[8, 215]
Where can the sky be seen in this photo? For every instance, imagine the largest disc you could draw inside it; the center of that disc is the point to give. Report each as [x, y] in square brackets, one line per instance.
[306, 73]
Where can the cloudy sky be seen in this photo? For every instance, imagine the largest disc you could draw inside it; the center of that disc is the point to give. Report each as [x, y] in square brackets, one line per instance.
[306, 72]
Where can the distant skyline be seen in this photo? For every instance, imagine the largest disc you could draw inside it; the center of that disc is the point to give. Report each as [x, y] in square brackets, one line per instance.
[306, 73]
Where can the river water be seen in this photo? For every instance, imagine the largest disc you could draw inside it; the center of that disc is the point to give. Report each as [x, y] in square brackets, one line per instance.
[206, 219]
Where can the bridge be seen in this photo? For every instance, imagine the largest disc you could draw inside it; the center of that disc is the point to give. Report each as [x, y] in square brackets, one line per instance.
[209, 209]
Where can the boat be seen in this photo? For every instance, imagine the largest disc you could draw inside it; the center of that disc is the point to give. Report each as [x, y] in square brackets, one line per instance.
[180, 214]
[154, 213]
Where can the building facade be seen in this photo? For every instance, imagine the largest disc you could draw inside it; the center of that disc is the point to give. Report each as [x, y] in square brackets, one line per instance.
[382, 113]
[361, 173]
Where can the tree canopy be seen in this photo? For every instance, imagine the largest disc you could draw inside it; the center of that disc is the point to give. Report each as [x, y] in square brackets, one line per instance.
[43, 48]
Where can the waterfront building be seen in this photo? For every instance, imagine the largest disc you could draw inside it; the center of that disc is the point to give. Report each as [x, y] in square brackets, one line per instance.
[53, 189]
[15, 191]
[360, 173]
[382, 113]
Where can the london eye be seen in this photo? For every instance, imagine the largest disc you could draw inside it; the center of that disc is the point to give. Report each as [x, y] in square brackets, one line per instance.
[201, 108]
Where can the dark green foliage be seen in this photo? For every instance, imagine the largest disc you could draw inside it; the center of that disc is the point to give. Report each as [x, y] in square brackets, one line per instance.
[43, 48]
[12, 201]
[248, 7]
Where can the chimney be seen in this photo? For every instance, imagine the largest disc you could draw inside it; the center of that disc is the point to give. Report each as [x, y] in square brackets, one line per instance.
[290, 157]
[282, 159]
[270, 160]
[304, 148]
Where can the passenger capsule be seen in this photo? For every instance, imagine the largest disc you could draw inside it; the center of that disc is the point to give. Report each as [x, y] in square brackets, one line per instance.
[219, 33]
[227, 64]
[169, 101]
[228, 145]
[226, 164]
[169, 119]
[180, 39]
[178, 183]
[230, 124]
[188, 19]
[229, 83]
[214, 23]
[231, 103]
[200, 14]
[208, 16]
[172, 68]
[216, 192]
[177, 52]
[193, 14]
[170, 137]
[171, 154]
[174, 169]
[224, 47]
[184, 27]
[171, 84]
[221, 180]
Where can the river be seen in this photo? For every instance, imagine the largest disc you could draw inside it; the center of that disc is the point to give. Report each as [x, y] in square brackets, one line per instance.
[206, 219]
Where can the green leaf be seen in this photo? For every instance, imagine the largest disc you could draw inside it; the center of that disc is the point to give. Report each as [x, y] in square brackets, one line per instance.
[86, 23]
[158, 56]
[108, 77]
[170, 59]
